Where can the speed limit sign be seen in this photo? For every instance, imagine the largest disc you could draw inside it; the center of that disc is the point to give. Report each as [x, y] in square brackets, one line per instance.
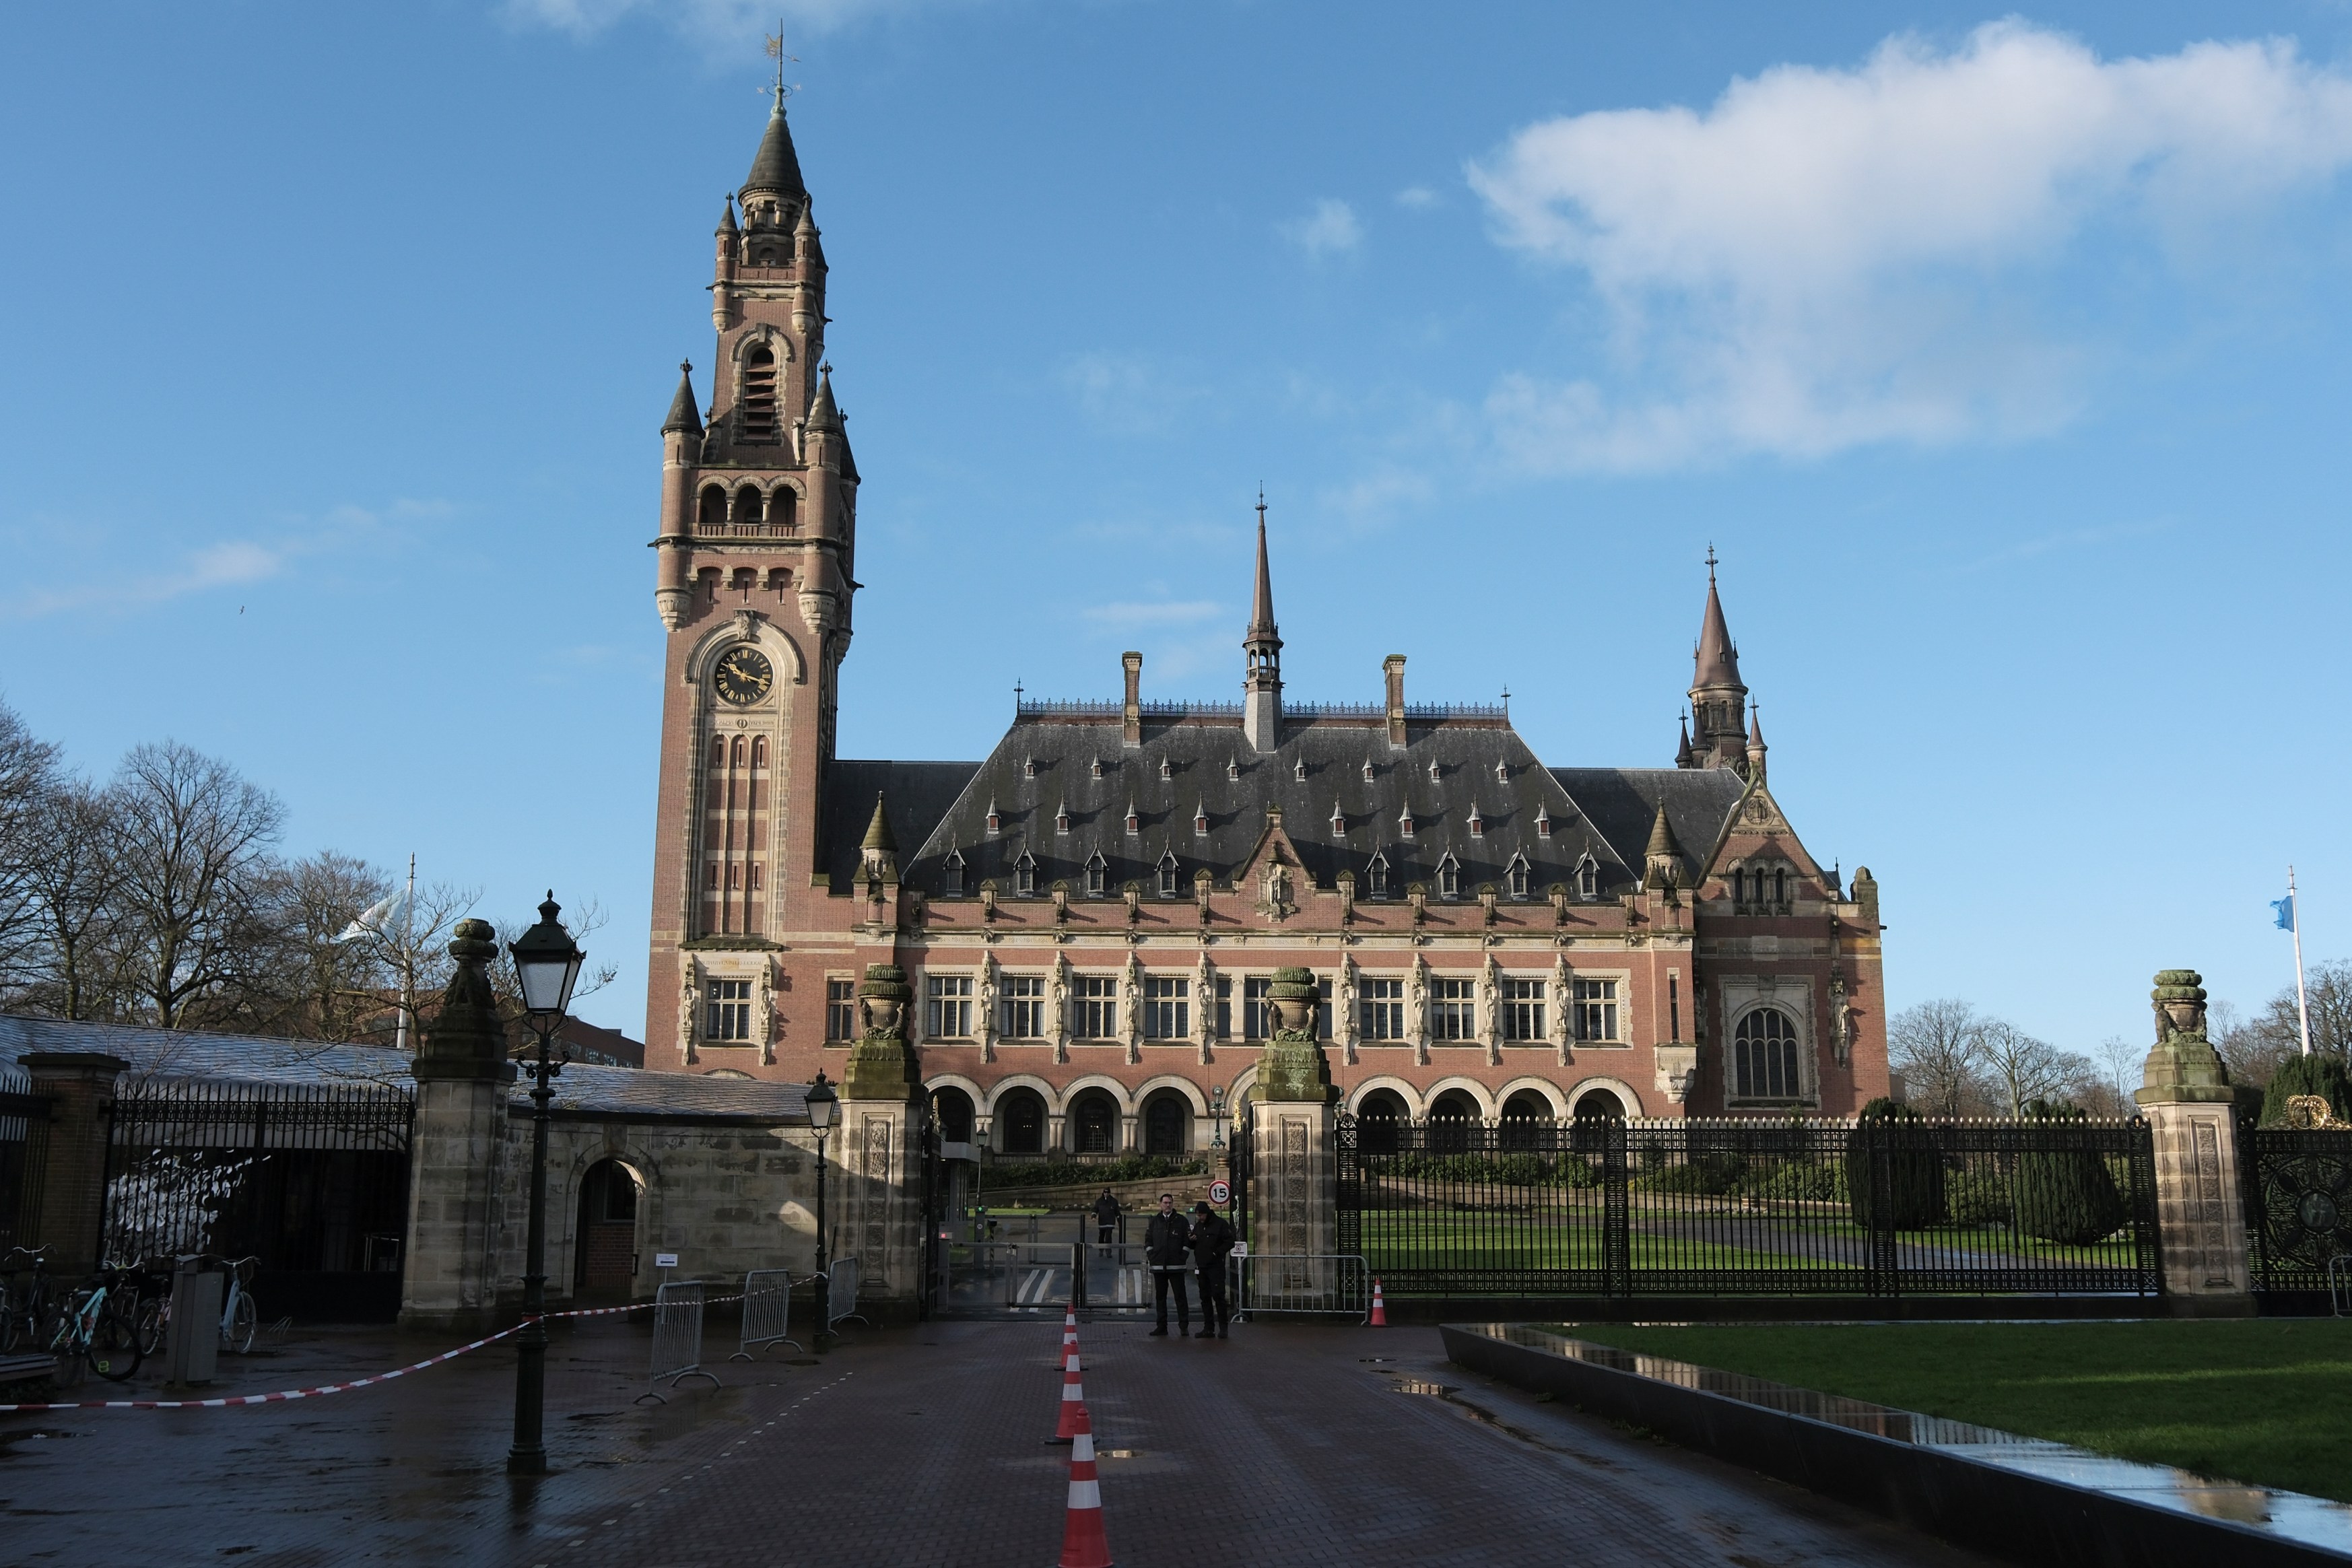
[1220, 1192]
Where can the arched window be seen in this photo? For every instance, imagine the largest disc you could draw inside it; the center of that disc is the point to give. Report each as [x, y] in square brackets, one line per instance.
[1449, 877]
[1449, 1120]
[749, 508]
[713, 510]
[1169, 872]
[1094, 1125]
[1526, 1120]
[1588, 878]
[1164, 1119]
[1377, 1123]
[1780, 887]
[1021, 1122]
[1764, 1057]
[784, 508]
[759, 396]
[954, 1109]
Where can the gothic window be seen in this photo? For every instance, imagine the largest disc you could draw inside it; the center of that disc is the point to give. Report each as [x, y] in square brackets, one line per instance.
[1338, 821]
[1376, 876]
[1780, 886]
[841, 1010]
[1449, 877]
[1523, 1010]
[1367, 770]
[1098, 874]
[748, 506]
[1543, 821]
[759, 396]
[727, 1021]
[1477, 823]
[1595, 1010]
[1094, 1002]
[1518, 876]
[1168, 874]
[1588, 878]
[1404, 822]
[1024, 1006]
[713, 507]
[1452, 1009]
[1062, 819]
[1024, 876]
[948, 1006]
[1764, 1056]
[1167, 1009]
[1134, 822]
[951, 875]
[1201, 821]
[1383, 1010]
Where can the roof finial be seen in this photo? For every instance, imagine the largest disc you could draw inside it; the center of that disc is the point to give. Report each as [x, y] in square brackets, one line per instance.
[776, 53]
[1710, 563]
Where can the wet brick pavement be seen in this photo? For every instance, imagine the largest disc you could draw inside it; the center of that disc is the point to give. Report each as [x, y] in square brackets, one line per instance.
[924, 1446]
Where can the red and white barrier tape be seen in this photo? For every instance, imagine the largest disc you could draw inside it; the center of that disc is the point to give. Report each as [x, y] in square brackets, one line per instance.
[282, 1395]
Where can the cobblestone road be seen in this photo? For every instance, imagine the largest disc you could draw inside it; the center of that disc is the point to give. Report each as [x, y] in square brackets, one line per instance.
[908, 1447]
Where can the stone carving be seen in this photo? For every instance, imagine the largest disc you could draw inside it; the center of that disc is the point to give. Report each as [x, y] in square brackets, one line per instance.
[1417, 1020]
[764, 1013]
[689, 994]
[1293, 1066]
[880, 1065]
[1057, 1004]
[2184, 1068]
[1344, 1019]
[464, 1040]
[986, 1031]
[2310, 1112]
[1275, 899]
[1563, 993]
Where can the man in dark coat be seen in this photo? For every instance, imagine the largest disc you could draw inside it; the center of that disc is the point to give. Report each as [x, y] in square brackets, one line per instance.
[1212, 1241]
[1167, 1247]
[1106, 1212]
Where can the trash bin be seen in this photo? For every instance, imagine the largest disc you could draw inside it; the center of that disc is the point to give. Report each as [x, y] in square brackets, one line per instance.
[192, 1345]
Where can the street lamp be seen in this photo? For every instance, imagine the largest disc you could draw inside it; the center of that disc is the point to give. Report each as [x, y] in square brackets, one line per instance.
[1217, 1118]
[547, 965]
[822, 1105]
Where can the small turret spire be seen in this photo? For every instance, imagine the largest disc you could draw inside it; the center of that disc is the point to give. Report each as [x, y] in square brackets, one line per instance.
[1663, 859]
[823, 413]
[1261, 624]
[877, 831]
[1262, 647]
[682, 415]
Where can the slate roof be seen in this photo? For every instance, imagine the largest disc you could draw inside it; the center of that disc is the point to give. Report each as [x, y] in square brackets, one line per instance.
[1623, 803]
[249, 1059]
[776, 166]
[1197, 754]
[919, 795]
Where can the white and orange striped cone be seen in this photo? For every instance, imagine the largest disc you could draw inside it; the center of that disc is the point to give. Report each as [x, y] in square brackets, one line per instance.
[1083, 1544]
[1070, 1328]
[1379, 1318]
[1074, 1400]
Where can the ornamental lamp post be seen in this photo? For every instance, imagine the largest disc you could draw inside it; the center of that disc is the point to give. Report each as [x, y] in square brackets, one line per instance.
[547, 965]
[822, 1105]
[1217, 1119]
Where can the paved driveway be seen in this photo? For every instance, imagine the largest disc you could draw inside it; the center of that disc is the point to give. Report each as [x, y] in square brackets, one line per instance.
[1283, 1445]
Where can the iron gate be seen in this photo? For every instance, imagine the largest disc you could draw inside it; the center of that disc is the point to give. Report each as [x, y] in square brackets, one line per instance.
[23, 1155]
[2298, 1198]
[1457, 1207]
[313, 1180]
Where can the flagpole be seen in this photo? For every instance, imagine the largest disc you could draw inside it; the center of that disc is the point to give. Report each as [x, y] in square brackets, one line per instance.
[2302, 1006]
[408, 957]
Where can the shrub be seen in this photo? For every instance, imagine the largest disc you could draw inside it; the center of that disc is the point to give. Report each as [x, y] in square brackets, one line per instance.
[1976, 1198]
[1080, 1173]
[2065, 1195]
[1706, 1175]
[2321, 1073]
[1916, 1174]
[1806, 1181]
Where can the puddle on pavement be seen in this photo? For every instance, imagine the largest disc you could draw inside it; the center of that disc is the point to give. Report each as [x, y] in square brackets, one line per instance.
[1415, 1385]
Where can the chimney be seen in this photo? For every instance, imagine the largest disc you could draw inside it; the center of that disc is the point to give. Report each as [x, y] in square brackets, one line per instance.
[1393, 667]
[1131, 736]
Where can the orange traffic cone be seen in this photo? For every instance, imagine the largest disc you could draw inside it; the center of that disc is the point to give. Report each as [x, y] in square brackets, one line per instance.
[1070, 1328]
[1074, 1400]
[1084, 1545]
[1379, 1318]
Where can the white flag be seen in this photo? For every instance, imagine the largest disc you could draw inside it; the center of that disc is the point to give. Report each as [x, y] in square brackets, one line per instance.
[378, 918]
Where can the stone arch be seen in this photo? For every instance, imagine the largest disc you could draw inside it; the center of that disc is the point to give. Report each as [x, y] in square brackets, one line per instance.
[1102, 1081]
[958, 1112]
[1020, 1120]
[1543, 1087]
[769, 636]
[1165, 1122]
[1630, 1102]
[1184, 1086]
[1403, 1090]
[1480, 1095]
[1094, 1122]
[568, 1172]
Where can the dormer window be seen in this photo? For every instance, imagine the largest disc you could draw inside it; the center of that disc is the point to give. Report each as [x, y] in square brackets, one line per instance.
[1165, 770]
[1478, 822]
[1201, 821]
[1233, 769]
[1449, 877]
[1502, 771]
[1096, 872]
[1588, 878]
[1376, 876]
[1168, 874]
[1134, 822]
[1095, 768]
[1338, 821]
[1299, 770]
[951, 875]
[1024, 876]
[1404, 820]
[995, 822]
[1028, 768]
[1432, 770]
[1062, 819]
[1543, 821]
[1367, 770]
[1518, 876]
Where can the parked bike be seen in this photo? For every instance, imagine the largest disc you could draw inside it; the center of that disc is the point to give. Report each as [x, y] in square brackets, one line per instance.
[239, 1322]
[98, 1326]
[24, 1297]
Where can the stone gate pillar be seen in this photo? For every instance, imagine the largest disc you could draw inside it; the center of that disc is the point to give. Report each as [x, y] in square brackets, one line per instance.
[1294, 1202]
[449, 1280]
[2191, 1112]
[79, 1086]
[876, 1154]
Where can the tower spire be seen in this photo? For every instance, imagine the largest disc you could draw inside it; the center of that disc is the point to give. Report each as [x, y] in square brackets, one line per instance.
[1718, 697]
[1262, 604]
[1261, 646]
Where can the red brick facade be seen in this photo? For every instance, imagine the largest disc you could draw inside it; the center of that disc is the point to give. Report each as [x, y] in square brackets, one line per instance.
[1082, 914]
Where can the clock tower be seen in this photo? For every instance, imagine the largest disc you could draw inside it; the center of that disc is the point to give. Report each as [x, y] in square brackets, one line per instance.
[755, 573]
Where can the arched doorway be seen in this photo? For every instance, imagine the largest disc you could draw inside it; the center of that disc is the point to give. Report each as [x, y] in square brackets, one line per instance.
[1600, 1105]
[1021, 1122]
[1526, 1120]
[954, 1107]
[1167, 1124]
[1451, 1116]
[1094, 1123]
[605, 1254]
[1378, 1117]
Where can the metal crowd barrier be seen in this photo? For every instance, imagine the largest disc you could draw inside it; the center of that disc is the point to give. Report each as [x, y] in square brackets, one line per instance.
[841, 1293]
[767, 1313]
[1336, 1283]
[678, 1337]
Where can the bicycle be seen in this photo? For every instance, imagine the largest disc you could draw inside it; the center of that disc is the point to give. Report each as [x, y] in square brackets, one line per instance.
[97, 1325]
[25, 1302]
[239, 1321]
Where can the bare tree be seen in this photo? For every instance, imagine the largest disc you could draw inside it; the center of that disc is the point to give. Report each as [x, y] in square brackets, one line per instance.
[2122, 1061]
[195, 841]
[410, 943]
[72, 883]
[27, 773]
[1934, 1045]
[2022, 1068]
[339, 986]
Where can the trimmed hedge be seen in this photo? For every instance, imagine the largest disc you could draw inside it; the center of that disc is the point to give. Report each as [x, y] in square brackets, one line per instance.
[1916, 1177]
[2066, 1196]
[2321, 1073]
[1078, 1173]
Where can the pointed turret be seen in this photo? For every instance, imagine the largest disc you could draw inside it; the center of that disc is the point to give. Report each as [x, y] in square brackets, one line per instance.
[727, 228]
[1756, 744]
[1718, 656]
[879, 836]
[1719, 697]
[1683, 758]
[776, 170]
[1261, 646]
[682, 413]
[804, 236]
[1661, 861]
[823, 413]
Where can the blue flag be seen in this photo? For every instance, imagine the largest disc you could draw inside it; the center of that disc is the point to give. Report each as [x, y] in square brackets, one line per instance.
[2283, 908]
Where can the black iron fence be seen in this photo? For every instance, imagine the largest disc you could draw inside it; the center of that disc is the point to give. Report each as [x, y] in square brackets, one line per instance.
[2297, 1185]
[1747, 1208]
[312, 1180]
[24, 1155]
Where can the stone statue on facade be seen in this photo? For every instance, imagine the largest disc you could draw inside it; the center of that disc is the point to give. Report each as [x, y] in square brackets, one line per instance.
[689, 994]
[1417, 1016]
[1057, 1002]
[763, 1016]
[1345, 1014]
[986, 1027]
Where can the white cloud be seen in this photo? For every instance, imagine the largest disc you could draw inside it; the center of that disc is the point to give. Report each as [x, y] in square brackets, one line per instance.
[720, 24]
[1129, 395]
[1155, 612]
[1328, 228]
[1826, 259]
[1416, 196]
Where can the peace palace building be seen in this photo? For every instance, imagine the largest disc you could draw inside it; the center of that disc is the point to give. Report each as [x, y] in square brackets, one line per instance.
[1090, 916]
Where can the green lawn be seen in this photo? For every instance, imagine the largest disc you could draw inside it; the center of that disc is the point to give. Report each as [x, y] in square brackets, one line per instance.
[2263, 1400]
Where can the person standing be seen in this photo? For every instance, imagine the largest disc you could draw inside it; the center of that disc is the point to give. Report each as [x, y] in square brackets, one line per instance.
[1212, 1243]
[1168, 1247]
[1106, 1213]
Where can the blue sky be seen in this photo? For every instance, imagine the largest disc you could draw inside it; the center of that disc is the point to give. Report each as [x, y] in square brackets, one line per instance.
[2003, 359]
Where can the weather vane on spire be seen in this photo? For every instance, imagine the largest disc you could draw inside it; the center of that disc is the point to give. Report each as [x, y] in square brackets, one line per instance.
[1261, 506]
[776, 53]
[1710, 560]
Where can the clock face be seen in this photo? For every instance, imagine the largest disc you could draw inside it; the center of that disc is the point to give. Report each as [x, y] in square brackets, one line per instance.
[744, 677]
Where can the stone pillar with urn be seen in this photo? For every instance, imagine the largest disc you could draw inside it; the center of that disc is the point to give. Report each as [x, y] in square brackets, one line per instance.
[463, 1086]
[2191, 1112]
[1294, 1213]
[877, 1219]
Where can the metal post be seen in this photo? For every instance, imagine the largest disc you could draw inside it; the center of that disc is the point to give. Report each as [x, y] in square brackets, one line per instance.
[823, 1266]
[529, 1455]
[2294, 924]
